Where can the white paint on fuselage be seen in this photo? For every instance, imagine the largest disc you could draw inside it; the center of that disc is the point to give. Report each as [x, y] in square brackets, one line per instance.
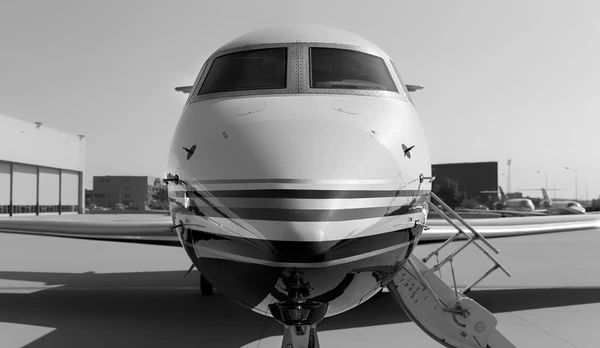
[301, 33]
[280, 140]
[303, 138]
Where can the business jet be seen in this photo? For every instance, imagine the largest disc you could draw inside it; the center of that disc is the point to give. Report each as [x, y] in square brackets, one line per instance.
[514, 204]
[560, 207]
[300, 184]
[515, 207]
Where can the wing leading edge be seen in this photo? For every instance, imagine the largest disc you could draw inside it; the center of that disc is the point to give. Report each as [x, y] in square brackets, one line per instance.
[152, 232]
[514, 226]
[159, 233]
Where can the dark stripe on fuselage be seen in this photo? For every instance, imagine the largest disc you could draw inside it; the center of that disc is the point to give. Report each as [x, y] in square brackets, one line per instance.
[308, 194]
[295, 251]
[304, 215]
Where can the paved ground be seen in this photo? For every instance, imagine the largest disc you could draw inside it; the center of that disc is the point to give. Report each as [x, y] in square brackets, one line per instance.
[57, 292]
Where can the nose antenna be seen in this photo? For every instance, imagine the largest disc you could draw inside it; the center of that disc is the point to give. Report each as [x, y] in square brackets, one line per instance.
[190, 151]
[407, 150]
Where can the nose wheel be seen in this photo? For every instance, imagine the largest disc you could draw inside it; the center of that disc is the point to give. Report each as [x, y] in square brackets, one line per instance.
[206, 287]
[299, 319]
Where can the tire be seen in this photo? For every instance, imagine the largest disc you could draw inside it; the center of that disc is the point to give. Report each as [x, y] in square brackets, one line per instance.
[206, 287]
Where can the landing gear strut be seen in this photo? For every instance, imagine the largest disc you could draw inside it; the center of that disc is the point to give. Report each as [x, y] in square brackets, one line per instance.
[206, 287]
[299, 319]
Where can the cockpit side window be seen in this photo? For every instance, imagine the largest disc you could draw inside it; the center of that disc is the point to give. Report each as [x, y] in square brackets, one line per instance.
[334, 68]
[247, 70]
[401, 81]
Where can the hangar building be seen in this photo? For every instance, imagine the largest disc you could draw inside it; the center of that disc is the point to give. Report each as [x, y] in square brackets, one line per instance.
[41, 169]
[472, 178]
[132, 191]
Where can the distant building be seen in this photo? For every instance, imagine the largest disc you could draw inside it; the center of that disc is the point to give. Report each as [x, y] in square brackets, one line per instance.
[131, 191]
[88, 196]
[41, 169]
[472, 178]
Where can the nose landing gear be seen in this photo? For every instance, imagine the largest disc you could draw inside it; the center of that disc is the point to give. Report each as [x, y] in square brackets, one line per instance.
[206, 287]
[299, 319]
[299, 316]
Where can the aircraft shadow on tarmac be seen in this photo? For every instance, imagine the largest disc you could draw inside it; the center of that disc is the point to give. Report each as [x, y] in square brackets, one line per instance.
[160, 309]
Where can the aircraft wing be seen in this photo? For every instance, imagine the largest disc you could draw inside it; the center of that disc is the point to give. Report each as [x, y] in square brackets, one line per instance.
[500, 213]
[519, 213]
[156, 230]
[515, 226]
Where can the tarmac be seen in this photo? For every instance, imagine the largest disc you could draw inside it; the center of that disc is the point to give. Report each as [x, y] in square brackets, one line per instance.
[59, 292]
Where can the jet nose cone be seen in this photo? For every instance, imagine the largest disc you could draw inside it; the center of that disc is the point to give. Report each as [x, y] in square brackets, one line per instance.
[310, 166]
[298, 188]
[314, 149]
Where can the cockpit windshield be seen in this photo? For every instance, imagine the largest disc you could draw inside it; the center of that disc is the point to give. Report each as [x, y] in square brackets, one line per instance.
[335, 68]
[247, 70]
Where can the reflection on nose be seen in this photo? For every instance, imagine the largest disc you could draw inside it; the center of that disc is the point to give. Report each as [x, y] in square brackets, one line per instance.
[296, 250]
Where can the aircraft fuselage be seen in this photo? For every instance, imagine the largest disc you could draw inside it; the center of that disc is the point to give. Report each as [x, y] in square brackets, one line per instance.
[300, 191]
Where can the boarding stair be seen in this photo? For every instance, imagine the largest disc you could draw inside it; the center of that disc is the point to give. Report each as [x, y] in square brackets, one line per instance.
[444, 312]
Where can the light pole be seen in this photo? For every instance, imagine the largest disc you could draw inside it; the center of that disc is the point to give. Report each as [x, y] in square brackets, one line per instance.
[575, 180]
[545, 174]
[90, 182]
[508, 162]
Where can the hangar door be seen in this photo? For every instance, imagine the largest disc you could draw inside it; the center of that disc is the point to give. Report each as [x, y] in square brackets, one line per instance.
[24, 188]
[4, 188]
[49, 190]
[69, 191]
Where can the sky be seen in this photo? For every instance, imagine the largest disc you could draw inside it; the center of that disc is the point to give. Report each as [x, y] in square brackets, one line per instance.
[503, 80]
